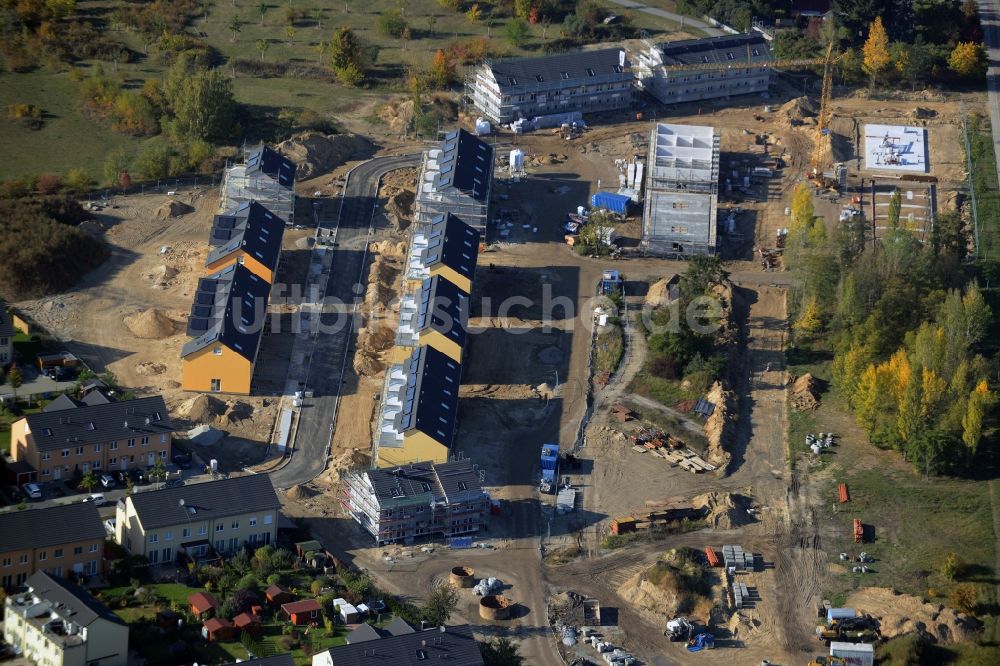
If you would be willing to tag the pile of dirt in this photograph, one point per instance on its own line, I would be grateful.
(723, 511)
(900, 614)
(149, 324)
(367, 364)
(346, 462)
(148, 369)
(674, 584)
(172, 209)
(201, 408)
(235, 412)
(805, 393)
(797, 112)
(375, 338)
(317, 153)
(388, 248)
(922, 113)
(659, 292)
(381, 282)
(300, 492)
(718, 426)
(397, 116)
(161, 276)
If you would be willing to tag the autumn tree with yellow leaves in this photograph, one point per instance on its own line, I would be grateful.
(968, 60)
(876, 58)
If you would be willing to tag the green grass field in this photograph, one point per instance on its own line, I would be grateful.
(69, 140)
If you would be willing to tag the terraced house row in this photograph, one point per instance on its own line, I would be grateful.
(229, 312)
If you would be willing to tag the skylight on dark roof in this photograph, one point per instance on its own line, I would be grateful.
(47, 432)
(538, 77)
(590, 72)
(618, 69)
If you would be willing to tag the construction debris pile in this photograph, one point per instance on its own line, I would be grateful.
(805, 393)
(657, 514)
(899, 614)
(486, 586)
(666, 446)
(718, 425)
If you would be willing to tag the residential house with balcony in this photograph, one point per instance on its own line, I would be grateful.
(57, 623)
(220, 516)
(70, 437)
(446, 246)
(418, 500)
(64, 540)
(251, 237)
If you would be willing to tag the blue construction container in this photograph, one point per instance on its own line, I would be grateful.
(616, 203)
(550, 466)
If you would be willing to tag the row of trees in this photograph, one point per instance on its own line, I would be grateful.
(907, 322)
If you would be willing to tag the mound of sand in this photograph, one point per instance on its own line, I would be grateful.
(657, 294)
(346, 462)
(305, 243)
(300, 492)
(367, 364)
(723, 511)
(389, 249)
(805, 393)
(400, 204)
(201, 408)
(235, 412)
(162, 275)
(718, 426)
(316, 153)
(148, 369)
(797, 111)
(397, 116)
(900, 614)
(149, 325)
(664, 588)
(375, 338)
(172, 209)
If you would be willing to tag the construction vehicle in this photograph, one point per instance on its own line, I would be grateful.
(859, 629)
(823, 660)
(679, 629)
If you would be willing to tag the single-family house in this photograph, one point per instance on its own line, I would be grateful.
(447, 247)
(437, 315)
(456, 178)
(247, 622)
(366, 632)
(64, 540)
(57, 623)
(304, 611)
(223, 515)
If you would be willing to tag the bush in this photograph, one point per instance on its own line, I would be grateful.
(48, 183)
(391, 23)
(41, 255)
(28, 115)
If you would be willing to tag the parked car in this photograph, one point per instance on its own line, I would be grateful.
(182, 461)
(32, 490)
(109, 526)
(60, 373)
(97, 498)
(174, 483)
(137, 475)
(107, 481)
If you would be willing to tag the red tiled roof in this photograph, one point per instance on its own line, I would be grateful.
(303, 606)
(245, 620)
(214, 624)
(202, 602)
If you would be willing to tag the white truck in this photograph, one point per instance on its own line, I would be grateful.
(854, 654)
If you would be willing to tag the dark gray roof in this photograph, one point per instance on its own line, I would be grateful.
(430, 399)
(364, 632)
(76, 423)
(398, 627)
(6, 326)
(86, 610)
(453, 243)
(230, 308)
(213, 499)
(450, 481)
(738, 49)
(442, 307)
(274, 164)
(551, 69)
(95, 397)
(284, 659)
(465, 164)
(455, 645)
(254, 229)
(52, 526)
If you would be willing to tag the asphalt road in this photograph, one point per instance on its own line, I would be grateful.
(345, 285)
(990, 21)
(662, 13)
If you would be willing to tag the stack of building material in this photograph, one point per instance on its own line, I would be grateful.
(565, 500)
(859, 531)
(842, 493)
(740, 594)
(735, 558)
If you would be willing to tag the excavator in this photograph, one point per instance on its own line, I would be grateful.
(828, 661)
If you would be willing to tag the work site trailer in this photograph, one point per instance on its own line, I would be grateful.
(550, 468)
(854, 654)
